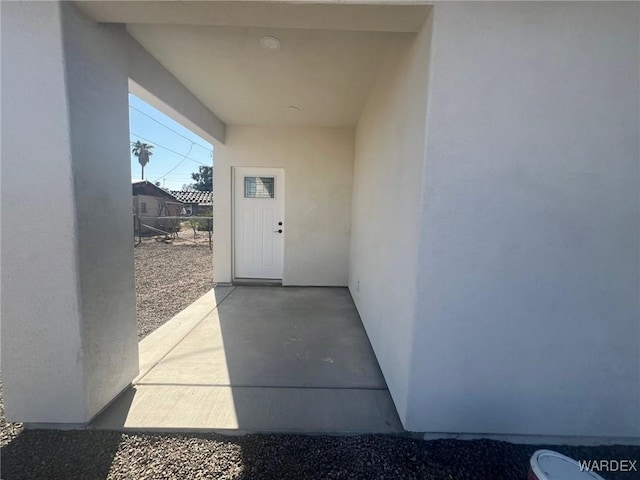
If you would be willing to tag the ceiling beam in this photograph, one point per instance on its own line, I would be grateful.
(375, 16)
(153, 83)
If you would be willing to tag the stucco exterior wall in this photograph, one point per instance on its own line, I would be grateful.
(69, 279)
(153, 204)
(97, 91)
(387, 190)
(528, 288)
(36, 285)
(156, 207)
(318, 164)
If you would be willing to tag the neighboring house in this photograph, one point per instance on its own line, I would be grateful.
(469, 170)
(152, 205)
(195, 201)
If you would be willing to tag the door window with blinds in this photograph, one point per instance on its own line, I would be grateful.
(259, 187)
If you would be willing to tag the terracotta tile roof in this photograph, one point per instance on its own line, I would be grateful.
(193, 196)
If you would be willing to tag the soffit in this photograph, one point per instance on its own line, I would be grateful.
(328, 61)
(325, 74)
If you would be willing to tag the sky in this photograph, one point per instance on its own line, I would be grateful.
(177, 152)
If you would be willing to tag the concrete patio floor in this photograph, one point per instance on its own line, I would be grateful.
(258, 359)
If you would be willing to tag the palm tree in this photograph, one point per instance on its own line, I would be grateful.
(143, 152)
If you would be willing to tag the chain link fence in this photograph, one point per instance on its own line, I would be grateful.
(170, 228)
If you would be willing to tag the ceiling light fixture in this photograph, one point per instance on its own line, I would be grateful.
(270, 43)
(293, 108)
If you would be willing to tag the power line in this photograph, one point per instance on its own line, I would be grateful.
(178, 164)
(167, 148)
(169, 128)
(175, 175)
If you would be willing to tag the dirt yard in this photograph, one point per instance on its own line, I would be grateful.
(170, 276)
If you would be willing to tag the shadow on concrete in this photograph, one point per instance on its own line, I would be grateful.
(267, 359)
(298, 359)
(118, 410)
(296, 337)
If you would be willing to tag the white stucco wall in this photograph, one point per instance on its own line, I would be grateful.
(318, 164)
(68, 298)
(387, 187)
(40, 298)
(97, 90)
(528, 290)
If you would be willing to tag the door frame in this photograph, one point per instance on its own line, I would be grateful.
(234, 173)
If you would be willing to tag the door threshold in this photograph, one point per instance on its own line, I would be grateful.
(256, 282)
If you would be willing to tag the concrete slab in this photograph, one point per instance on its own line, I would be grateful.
(160, 342)
(252, 409)
(259, 359)
(284, 337)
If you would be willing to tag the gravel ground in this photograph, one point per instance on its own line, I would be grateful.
(170, 277)
(7, 430)
(112, 455)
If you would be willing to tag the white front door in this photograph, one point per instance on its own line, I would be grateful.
(259, 222)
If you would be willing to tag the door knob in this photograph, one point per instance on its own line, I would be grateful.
(278, 231)
(279, 223)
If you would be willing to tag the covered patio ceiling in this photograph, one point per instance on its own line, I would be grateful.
(326, 58)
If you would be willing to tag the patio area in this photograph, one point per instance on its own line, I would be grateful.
(258, 359)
